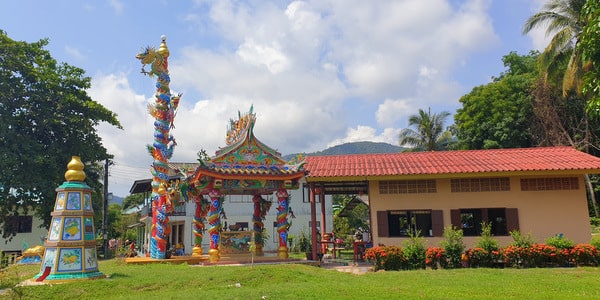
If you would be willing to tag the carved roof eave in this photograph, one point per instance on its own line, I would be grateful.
(247, 174)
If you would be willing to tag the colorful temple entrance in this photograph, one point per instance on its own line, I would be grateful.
(245, 166)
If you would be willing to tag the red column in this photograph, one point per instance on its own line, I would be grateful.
(257, 227)
(313, 220)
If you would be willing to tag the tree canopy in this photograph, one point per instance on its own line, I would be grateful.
(589, 45)
(498, 114)
(561, 60)
(46, 116)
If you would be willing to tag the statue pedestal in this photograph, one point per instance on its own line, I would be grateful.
(213, 255)
(282, 252)
(197, 251)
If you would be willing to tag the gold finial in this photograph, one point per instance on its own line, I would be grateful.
(163, 50)
(75, 170)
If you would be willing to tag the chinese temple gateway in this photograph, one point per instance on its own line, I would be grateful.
(245, 166)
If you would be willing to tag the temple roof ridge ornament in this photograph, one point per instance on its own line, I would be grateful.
(246, 159)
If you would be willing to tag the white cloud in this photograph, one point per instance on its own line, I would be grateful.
(269, 56)
(539, 38)
(318, 73)
(117, 6)
(128, 145)
(365, 133)
(74, 53)
(390, 111)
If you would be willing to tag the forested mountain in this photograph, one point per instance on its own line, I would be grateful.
(354, 148)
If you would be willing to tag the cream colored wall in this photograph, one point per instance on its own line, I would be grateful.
(541, 213)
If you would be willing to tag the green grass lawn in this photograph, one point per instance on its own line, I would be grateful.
(165, 281)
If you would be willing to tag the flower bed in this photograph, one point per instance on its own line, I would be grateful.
(534, 256)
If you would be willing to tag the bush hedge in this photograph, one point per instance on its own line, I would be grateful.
(557, 251)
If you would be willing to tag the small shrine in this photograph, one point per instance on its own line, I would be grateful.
(70, 249)
(245, 166)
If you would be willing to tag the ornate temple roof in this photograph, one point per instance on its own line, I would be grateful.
(246, 158)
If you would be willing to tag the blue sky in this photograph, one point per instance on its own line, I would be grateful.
(318, 72)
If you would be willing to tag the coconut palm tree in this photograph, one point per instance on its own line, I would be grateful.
(563, 22)
(429, 134)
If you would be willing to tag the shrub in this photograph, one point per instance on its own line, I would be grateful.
(454, 246)
(585, 255)
(386, 258)
(414, 251)
(514, 255)
(485, 253)
(543, 255)
(560, 242)
(521, 240)
(436, 257)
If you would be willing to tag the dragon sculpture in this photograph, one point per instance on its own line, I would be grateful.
(163, 110)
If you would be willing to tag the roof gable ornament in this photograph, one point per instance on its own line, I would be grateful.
(246, 165)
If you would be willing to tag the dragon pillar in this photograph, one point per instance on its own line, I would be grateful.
(163, 110)
(214, 224)
(282, 223)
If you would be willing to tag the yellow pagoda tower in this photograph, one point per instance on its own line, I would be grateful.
(71, 244)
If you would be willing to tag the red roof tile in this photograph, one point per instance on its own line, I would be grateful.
(453, 162)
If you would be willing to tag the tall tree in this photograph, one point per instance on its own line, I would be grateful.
(46, 117)
(565, 21)
(589, 45)
(498, 114)
(562, 19)
(429, 135)
(133, 200)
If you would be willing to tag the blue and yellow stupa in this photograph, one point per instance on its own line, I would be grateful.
(71, 245)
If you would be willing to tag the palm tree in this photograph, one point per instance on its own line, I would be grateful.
(564, 24)
(564, 20)
(429, 134)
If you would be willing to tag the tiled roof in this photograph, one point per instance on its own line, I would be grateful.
(558, 159)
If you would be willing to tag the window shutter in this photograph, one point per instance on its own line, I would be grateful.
(512, 219)
(437, 222)
(383, 229)
(455, 218)
(484, 215)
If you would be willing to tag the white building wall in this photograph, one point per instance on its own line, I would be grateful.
(241, 208)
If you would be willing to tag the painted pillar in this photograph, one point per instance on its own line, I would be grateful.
(70, 252)
(163, 110)
(282, 223)
(257, 224)
(161, 229)
(214, 224)
(199, 216)
(321, 192)
(313, 220)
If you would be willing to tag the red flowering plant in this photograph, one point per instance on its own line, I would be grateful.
(435, 258)
(386, 257)
(514, 255)
(542, 255)
(564, 257)
(584, 255)
(478, 257)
